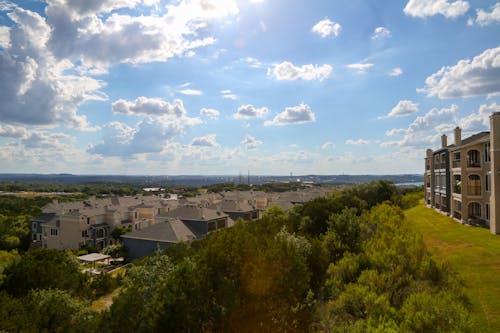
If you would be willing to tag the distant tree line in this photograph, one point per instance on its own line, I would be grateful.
(345, 263)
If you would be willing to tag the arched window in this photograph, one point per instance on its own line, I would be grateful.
(473, 159)
(474, 185)
(474, 210)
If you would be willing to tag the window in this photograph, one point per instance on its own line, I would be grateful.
(474, 185)
(88, 220)
(474, 210)
(456, 160)
(54, 232)
(487, 209)
(487, 182)
(473, 160)
(457, 184)
(487, 152)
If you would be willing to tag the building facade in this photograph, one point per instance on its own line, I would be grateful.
(462, 180)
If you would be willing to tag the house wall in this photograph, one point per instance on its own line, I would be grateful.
(137, 248)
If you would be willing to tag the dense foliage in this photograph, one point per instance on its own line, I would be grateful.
(346, 263)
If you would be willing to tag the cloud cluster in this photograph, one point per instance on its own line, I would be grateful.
(36, 88)
(250, 142)
(288, 71)
(228, 94)
(396, 71)
(356, 142)
(480, 120)
(426, 8)
(403, 108)
(381, 33)
(326, 28)
(467, 78)
(485, 18)
(210, 113)
(360, 67)
(299, 114)
(248, 111)
(205, 141)
(149, 106)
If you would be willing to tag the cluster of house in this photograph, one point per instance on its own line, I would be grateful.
(462, 179)
(154, 222)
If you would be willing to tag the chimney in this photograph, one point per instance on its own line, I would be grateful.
(458, 136)
(429, 152)
(495, 173)
(444, 141)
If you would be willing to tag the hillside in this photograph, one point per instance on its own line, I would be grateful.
(473, 253)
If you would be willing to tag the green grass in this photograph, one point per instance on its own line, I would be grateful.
(473, 253)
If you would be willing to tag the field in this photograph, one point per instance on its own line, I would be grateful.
(473, 253)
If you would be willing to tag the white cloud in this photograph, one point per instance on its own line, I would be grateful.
(211, 113)
(480, 120)
(327, 145)
(249, 111)
(250, 142)
(403, 108)
(205, 141)
(299, 114)
(396, 71)
(228, 94)
(425, 130)
(288, 71)
(426, 8)
(149, 106)
(5, 37)
(326, 28)
(381, 33)
(9, 131)
(36, 88)
(360, 67)
(101, 33)
(487, 18)
(252, 62)
(467, 78)
(190, 92)
(356, 142)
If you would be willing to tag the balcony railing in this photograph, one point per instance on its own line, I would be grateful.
(456, 164)
(473, 190)
(473, 164)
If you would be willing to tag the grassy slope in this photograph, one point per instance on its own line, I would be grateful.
(473, 253)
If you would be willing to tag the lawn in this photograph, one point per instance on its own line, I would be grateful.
(473, 253)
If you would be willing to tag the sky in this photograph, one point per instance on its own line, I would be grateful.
(218, 87)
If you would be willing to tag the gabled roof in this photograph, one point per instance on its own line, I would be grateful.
(194, 213)
(233, 206)
(45, 217)
(171, 231)
(475, 137)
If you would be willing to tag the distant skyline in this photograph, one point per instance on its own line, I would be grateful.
(225, 86)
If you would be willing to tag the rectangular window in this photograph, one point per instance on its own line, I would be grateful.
(487, 181)
(487, 207)
(487, 152)
(88, 220)
(53, 232)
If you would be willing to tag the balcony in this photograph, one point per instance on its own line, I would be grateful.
(457, 189)
(473, 164)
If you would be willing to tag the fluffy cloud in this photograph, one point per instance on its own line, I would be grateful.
(250, 142)
(249, 111)
(100, 33)
(325, 28)
(381, 32)
(396, 71)
(467, 78)
(299, 114)
(403, 108)
(36, 88)
(356, 142)
(211, 113)
(487, 18)
(426, 8)
(425, 130)
(288, 71)
(205, 141)
(149, 106)
(480, 120)
(9, 131)
(360, 67)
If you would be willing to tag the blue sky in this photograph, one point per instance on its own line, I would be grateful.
(227, 86)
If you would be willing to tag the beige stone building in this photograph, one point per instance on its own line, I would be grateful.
(463, 179)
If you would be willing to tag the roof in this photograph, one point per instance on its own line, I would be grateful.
(475, 137)
(45, 217)
(171, 231)
(93, 257)
(234, 206)
(194, 213)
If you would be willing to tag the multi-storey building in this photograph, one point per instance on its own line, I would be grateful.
(463, 179)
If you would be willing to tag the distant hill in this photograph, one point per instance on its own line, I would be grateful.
(199, 180)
